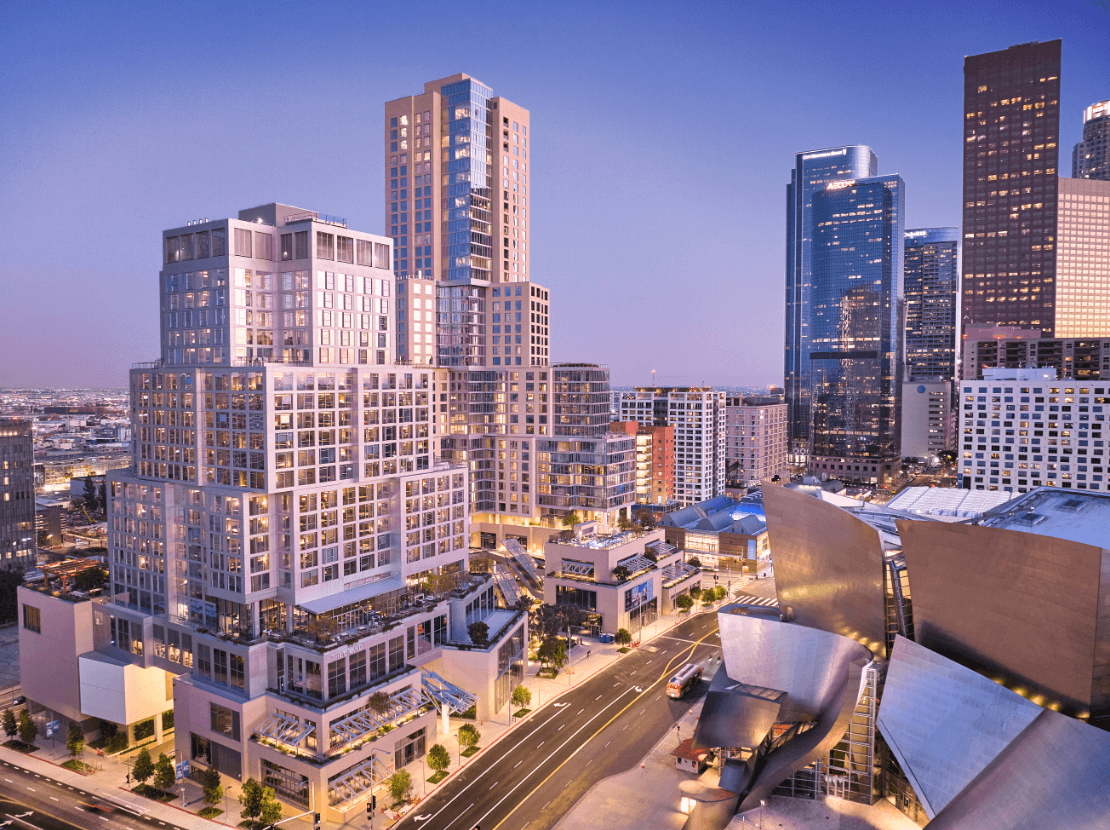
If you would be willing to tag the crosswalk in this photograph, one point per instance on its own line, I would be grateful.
(745, 599)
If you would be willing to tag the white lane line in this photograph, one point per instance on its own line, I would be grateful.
(52, 798)
(541, 744)
(518, 763)
(607, 744)
(542, 764)
(456, 818)
(493, 785)
(560, 729)
(546, 722)
(580, 711)
(8, 780)
(544, 807)
(104, 818)
(32, 789)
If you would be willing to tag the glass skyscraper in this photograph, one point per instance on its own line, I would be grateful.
(855, 327)
(932, 284)
(812, 172)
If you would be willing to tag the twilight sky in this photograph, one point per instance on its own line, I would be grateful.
(663, 138)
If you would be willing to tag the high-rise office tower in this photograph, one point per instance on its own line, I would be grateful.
(698, 417)
(1011, 154)
(812, 172)
(932, 286)
(17, 495)
(1090, 158)
(457, 206)
(856, 328)
(1083, 259)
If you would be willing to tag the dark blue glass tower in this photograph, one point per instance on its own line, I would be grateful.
(856, 327)
(812, 172)
(932, 286)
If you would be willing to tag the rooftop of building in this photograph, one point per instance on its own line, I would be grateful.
(1075, 515)
(721, 514)
(946, 503)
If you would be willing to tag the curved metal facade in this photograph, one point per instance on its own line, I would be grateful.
(1023, 605)
(821, 675)
(979, 755)
(828, 566)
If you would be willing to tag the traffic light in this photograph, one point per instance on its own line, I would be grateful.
(373, 802)
(315, 821)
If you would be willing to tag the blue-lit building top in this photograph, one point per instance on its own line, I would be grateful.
(932, 284)
(468, 183)
(812, 171)
(855, 337)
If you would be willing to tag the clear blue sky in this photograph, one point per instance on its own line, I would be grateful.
(663, 137)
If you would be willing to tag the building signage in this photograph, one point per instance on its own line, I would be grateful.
(840, 185)
(825, 155)
(637, 595)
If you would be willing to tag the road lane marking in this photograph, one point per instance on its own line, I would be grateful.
(456, 818)
(606, 745)
(602, 728)
(541, 744)
(52, 798)
(580, 711)
(518, 763)
(32, 789)
(494, 784)
(560, 729)
(597, 698)
(8, 780)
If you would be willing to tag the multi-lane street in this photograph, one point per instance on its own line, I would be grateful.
(535, 773)
(29, 801)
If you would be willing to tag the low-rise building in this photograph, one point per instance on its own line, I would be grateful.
(622, 580)
(928, 425)
(724, 534)
(654, 461)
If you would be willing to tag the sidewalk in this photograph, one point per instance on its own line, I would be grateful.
(586, 660)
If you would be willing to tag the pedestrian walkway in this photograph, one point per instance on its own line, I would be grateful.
(748, 599)
(111, 776)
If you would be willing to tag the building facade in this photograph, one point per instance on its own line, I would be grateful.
(928, 421)
(856, 328)
(286, 543)
(18, 549)
(654, 461)
(534, 436)
(1011, 169)
(697, 415)
(1083, 258)
(812, 172)
(932, 289)
(1009, 347)
(1024, 428)
(1090, 158)
(755, 440)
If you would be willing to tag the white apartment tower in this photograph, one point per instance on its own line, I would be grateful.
(286, 542)
(698, 415)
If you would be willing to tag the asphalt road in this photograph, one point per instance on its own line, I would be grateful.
(605, 726)
(29, 801)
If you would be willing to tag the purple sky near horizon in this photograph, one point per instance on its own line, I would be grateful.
(663, 138)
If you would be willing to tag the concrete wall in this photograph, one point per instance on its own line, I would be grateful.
(117, 691)
(48, 666)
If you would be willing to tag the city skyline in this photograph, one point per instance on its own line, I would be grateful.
(99, 141)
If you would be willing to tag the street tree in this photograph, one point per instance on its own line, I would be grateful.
(271, 807)
(11, 726)
(469, 735)
(28, 729)
(521, 697)
(623, 636)
(553, 652)
(684, 602)
(439, 758)
(213, 788)
(164, 773)
(695, 591)
(75, 739)
(251, 799)
(143, 767)
(721, 592)
(400, 785)
(708, 598)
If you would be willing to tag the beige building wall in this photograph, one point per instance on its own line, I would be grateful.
(49, 670)
(755, 440)
(1083, 259)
